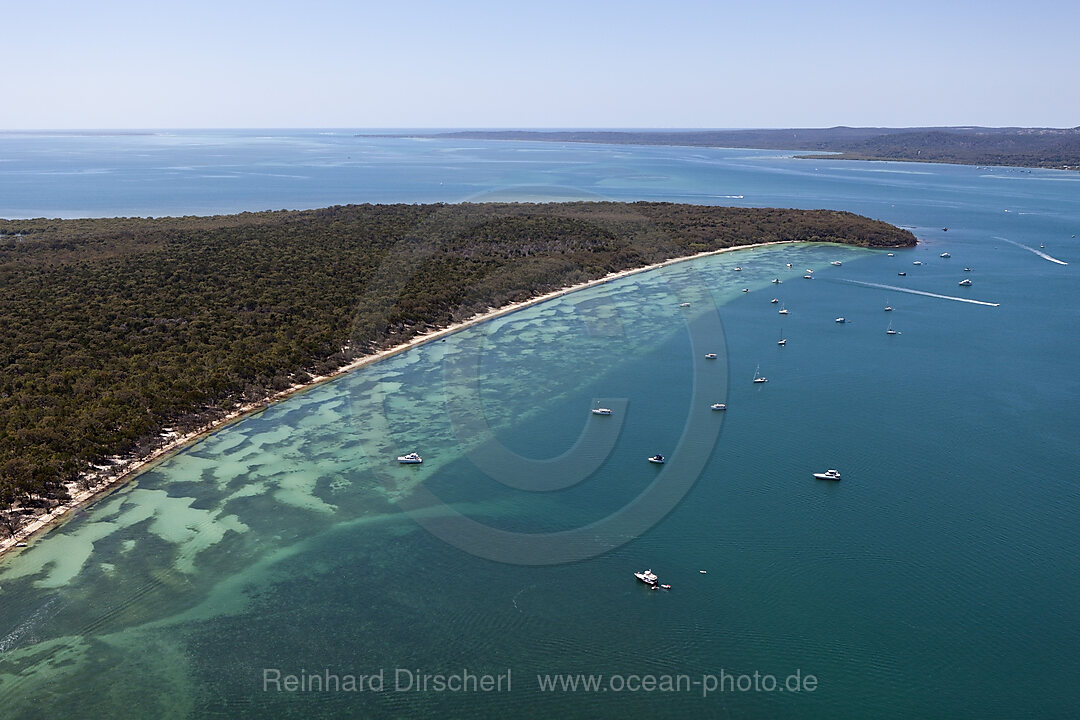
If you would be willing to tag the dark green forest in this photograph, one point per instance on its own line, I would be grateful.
(114, 329)
(1057, 148)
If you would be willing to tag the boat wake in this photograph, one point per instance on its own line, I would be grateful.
(909, 291)
(1040, 253)
(27, 627)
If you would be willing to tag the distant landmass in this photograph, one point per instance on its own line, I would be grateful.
(1057, 148)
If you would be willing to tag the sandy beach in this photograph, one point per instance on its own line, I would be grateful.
(124, 470)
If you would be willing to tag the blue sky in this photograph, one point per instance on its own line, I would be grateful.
(472, 63)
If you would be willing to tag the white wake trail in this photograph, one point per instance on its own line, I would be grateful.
(921, 292)
(1041, 254)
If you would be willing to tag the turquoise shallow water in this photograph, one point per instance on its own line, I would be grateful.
(939, 578)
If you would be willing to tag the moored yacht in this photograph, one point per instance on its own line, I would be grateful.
(658, 459)
(718, 406)
(710, 356)
(964, 283)
(758, 377)
(410, 459)
(646, 576)
(828, 475)
(601, 411)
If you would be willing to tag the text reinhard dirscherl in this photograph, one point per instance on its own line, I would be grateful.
(403, 680)
(398, 680)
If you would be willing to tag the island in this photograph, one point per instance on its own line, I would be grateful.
(126, 337)
(1056, 148)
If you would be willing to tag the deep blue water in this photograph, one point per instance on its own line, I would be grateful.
(939, 578)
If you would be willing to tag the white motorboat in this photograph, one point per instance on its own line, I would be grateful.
(410, 459)
(775, 300)
(646, 576)
(718, 406)
(917, 262)
(658, 459)
(841, 320)
(776, 281)
(836, 262)
(828, 475)
(808, 277)
(684, 304)
(710, 356)
(964, 283)
(601, 411)
(946, 255)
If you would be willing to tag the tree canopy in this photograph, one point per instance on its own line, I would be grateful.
(114, 329)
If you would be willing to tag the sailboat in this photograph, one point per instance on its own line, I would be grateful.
(783, 340)
(758, 377)
(782, 310)
(890, 331)
(888, 307)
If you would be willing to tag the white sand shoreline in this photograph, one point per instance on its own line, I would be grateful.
(125, 471)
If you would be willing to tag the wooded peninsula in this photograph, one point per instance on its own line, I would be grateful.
(119, 333)
(1057, 148)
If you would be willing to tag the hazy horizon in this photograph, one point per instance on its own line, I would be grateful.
(500, 128)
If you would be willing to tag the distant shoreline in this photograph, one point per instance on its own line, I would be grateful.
(1047, 148)
(130, 470)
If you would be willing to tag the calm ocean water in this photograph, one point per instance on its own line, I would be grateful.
(939, 578)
